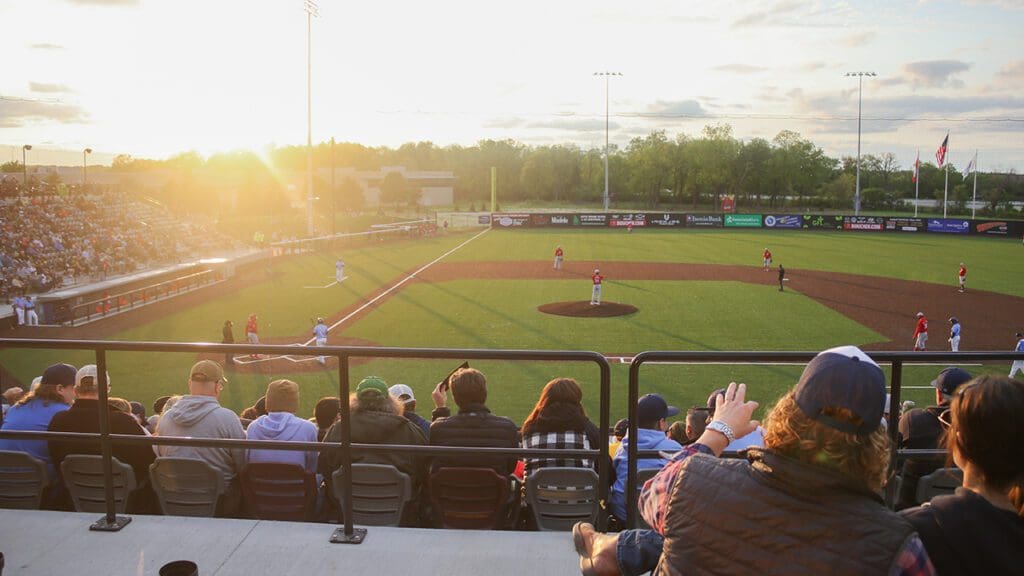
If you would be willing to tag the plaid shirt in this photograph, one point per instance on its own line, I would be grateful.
(911, 560)
(567, 440)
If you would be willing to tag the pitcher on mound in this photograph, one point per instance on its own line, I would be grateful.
(595, 294)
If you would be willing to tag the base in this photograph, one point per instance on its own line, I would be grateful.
(102, 525)
(339, 536)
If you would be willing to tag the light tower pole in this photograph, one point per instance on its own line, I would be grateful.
(607, 76)
(860, 91)
(311, 10)
(24, 165)
(85, 168)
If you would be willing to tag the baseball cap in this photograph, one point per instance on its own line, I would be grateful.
(653, 407)
(953, 320)
(373, 383)
(843, 377)
(89, 371)
(950, 379)
(59, 375)
(399, 390)
(919, 314)
(208, 371)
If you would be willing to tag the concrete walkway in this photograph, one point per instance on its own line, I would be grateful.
(47, 543)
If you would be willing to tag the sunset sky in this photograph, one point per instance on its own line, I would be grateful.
(155, 77)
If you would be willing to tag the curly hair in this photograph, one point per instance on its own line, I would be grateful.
(792, 433)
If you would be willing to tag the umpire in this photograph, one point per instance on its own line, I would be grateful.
(228, 337)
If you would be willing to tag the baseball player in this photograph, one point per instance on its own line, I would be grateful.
(339, 270)
(31, 318)
(19, 309)
(921, 333)
(767, 258)
(320, 333)
(252, 332)
(595, 294)
(962, 276)
(629, 228)
(954, 334)
(782, 277)
(559, 253)
(1018, 364)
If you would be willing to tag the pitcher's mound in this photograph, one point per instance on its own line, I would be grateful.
(583, 309)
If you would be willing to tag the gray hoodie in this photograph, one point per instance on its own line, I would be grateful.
(203, 417)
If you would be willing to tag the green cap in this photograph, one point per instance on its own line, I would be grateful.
(373, 383)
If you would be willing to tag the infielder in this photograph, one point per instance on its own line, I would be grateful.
(320, 333)
(921, 333)
(962, 276)
(559, 253)
(767, 259)
(954, 334)
(339, 270)
(1018, 364)
(595, 294)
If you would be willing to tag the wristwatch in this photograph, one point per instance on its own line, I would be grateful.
(722, 428)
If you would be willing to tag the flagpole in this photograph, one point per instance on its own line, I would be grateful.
(917, 181)
(974, 201)
(945, 193)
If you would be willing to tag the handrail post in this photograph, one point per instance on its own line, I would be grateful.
(893, 430)
(631, 463)
(111, 522)
(347, 534)
(604, 459)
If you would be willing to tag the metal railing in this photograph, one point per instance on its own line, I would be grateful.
(111, 304)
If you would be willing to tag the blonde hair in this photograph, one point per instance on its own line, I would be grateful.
(120, 404)
(792, 433)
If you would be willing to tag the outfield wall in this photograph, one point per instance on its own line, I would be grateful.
(772, 221)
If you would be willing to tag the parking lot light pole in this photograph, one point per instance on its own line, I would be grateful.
(860, 91)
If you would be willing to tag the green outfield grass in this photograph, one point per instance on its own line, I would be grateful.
(466, 313)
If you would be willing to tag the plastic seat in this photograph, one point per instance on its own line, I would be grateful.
(278, 491)
(23, 479)
(470, 498)
(83, 475)
(939, 483)
(642, 476)
(561, 497)
(186, 486)
(379, 493)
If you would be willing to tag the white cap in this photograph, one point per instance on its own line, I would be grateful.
(399, 390)
(89, 371)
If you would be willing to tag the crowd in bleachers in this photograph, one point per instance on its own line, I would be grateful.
(52, 240)
(804, 498)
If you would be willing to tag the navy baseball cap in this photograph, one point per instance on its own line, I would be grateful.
(843, 377)
(60, 375)
(653, 407)
(950, 379)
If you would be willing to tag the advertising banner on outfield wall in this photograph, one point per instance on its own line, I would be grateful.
(782, 221)
(590, 220)
(874, 223)
(704, 220)
(822, 222)
(665, 219)
(623, 220)
(545, 219)
(1007, 228)
(948, 225)
(509, 220)
(905, 225)
(743, 220)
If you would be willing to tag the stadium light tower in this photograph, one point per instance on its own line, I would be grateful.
(85, 167)
(860, 91)
(607, 78)
(24, 165)
(311, 10)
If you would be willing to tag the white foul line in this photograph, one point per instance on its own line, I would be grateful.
(378, 297)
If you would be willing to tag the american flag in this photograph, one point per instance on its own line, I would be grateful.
(917, 167)
(940, 154)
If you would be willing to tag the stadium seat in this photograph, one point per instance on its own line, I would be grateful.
(642, 476)
(186, 486)
(23, 479)
(470, 498)
(379, 493)
(939, 483)
(278, 491)
(561, 497)
(83, 475)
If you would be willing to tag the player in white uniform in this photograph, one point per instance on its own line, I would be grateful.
(19, 309)
(31, 318)
(1018, 364)
(320, 332)
(339, 270)
(954, 334)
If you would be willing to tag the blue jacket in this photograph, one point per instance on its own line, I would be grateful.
(649, 440)
(33, 416)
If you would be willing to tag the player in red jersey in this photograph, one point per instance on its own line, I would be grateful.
(962, 276)
(921, 333)
(767, 258)
(559, 253)
(595, 294)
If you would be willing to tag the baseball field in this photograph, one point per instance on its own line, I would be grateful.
(692, 290)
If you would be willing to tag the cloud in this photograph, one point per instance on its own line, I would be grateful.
(572, 124)
(1005, 4)
(104, 2)
(48, 88)
(45, 46)
(929, 74)
(1011, 73)
(740, 68)
(676, 108)
(859, 39)
(507, 122)
(15, 113)
(769, 16)
(812, 66)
